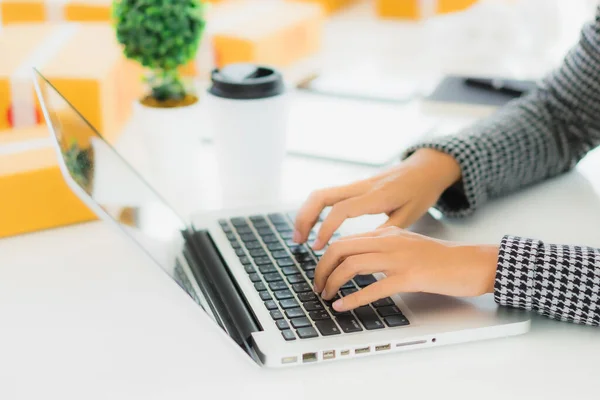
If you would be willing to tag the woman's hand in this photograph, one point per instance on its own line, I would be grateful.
(410, 262)
(404, 193)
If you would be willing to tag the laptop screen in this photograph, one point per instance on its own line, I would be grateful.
(113, 189)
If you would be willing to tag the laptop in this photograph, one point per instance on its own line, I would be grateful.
(243, 269)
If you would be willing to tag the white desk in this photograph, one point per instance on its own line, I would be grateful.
(85, 315)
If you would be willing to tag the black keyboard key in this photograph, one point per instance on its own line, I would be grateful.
(248, 237)
(255, 218)
(274, 277)
(296, 278)
(310, 274)
(245, 260)
(267, 269)
(259, 286)
(271, 305)
(288, 335)
(242, 230)
(257, 253)
(308, 296)
(275, 246)
(294, 313)
(298, 249)
(253, 245)
(364, 280)
(223, 222)
(282, 324)
(276, 314)
(283, 294)
(383, 302)
(288, 303)
(313, 306)
(301, 287)
(302, 257)
(285, 262)
(300, 322)
(308, 265)
(238, 221)
(307, 333)
(396, 320)
(286, 235)
(231, 236)
(240, 252)
(346, 292)
(277, 218)
(262, 261)
(348, 285)
(283, 227)
(279, 285)
(318, 315)
(389, 311)
(254, 277)
(270, 239)
(280, 254)
(327, 327)
(340, 313)
(265, 231)
(265, 296)
(290, 243)
(235, 244)
(348, 323)
(249, 269)
(368, 317)
(290, 270)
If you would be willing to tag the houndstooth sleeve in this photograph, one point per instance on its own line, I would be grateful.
(561, 282)
(531, 139)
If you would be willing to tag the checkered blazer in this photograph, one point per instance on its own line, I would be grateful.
(539, 136)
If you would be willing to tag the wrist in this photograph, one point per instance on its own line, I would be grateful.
(442, 167)
(487, 263)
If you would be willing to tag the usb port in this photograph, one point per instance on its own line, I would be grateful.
(362, 350)
(383, 347)
(309, 357)
(289, 360)
(328, 355)
(345, 352)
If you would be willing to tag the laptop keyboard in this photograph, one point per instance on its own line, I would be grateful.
(282, 272)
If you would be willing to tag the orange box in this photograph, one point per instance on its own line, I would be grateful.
(272, 33)
(417, 9)
(34, 193)
(330, 6)
(83, 61)
(19, 11)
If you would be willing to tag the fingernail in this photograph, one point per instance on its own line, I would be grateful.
(297, 237)
(338, 305)
(317, 244)
(324, 294)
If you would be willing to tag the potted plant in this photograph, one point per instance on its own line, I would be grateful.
(162, 36)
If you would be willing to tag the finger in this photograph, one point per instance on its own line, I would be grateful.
(353, 207)
(340, 250)
(402, 218)
(309, 212)
(378, 290)
(354, 265)
(376, 233)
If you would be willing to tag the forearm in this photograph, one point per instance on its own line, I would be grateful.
(539, 136)
(561, 282)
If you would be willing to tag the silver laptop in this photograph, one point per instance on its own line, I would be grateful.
(244, 270)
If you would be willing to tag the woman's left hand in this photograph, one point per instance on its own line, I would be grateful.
(410, 263)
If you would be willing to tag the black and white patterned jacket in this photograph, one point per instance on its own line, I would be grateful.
(534, 138)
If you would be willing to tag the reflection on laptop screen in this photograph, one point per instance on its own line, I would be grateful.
(110, 185)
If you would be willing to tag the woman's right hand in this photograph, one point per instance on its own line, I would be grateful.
(404, 193)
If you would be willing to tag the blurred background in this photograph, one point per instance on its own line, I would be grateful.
(366, 65)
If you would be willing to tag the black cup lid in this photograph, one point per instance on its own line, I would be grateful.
(246, 82)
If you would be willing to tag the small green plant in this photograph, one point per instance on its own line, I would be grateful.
(79, 163)
(161, 35)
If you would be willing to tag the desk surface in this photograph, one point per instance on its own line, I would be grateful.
(86, 315)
